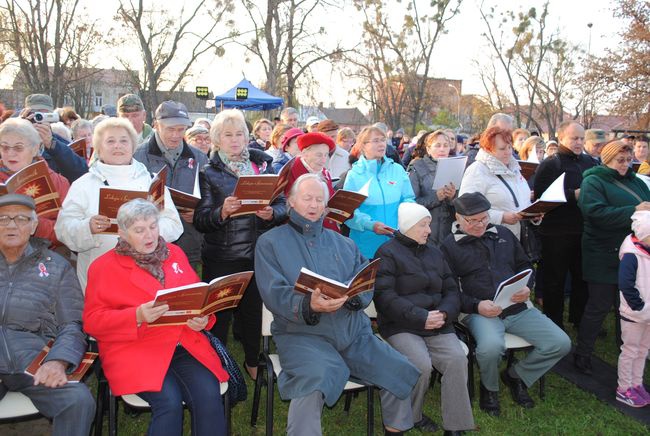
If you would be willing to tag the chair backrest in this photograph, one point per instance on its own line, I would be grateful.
(370, 310)
(267, 319)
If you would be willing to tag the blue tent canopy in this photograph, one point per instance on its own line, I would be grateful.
(256, 99)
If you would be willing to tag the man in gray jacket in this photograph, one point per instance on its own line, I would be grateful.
(40, 300)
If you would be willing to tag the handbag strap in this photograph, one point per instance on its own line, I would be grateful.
(629, 191)
(514, 197)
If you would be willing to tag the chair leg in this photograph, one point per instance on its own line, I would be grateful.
(226, 409)
(348, 402)
(102, 390)
(270, 391)
(541, 387)
(112, 415)
(256, 395)
(510, 356)
(371, 410)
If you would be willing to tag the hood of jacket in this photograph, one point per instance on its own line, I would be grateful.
(608, 174)
(634, 246)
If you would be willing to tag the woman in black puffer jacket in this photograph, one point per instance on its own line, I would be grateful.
(229, 242)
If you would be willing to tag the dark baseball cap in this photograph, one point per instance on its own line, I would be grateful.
(130, 103)
(17, 199)
(39, 102)
(173, 113)
(597, 135)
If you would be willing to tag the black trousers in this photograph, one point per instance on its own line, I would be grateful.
(248, 315)
(563, 254)
(602, 297)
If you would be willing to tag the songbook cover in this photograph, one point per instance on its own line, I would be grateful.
(34, 181)
(75, 376)
(527, 168)
(183, 201)
(254, 192)
(80, 148)
(343, 204)
(363, 281)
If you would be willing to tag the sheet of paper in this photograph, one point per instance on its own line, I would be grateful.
(511, 286)
(555, 191)
(449, 170)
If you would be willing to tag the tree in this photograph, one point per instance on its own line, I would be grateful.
(50, 42)
(171, 42)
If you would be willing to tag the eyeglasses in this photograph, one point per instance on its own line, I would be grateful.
(474, 222)
(14, 148)
(622, 160)
(19, 220)
(376, 141)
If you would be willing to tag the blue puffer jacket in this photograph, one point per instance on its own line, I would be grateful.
(389, 186)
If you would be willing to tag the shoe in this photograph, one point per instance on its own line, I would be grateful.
(630, 397)
(642, 393)
(426, 424)
(518, 390)
(246, 371)
(489, 402)
(453, 432)
(582, 363)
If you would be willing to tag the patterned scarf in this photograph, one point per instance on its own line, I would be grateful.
(151, 262)
(242, 166)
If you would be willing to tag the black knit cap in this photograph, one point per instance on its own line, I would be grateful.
(471, 203)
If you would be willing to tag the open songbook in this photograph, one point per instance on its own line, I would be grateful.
(34, 180)
(80, 147)
(509, 287)
(258, 191)
(200, 299)
(363, 281)
(528, 168)
(549, 200)
(449, 170)
(75, 376)
(111, 199)
(183, 201)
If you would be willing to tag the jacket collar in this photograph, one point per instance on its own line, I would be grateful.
(460, 237)
(304, 226)
(566, 152)
(33, 250)
(409, 243)
(154, 149)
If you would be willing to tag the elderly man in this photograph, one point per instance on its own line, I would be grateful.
(595, 140)
(289, 116)
(322, 341)
(41, 301)
(481, 256)
(130, 106)
(59, 157)
(167, 147)
(561, 229)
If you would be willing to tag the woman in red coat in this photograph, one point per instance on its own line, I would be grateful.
(166, 365)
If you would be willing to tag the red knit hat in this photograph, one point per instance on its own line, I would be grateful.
(313, 138)
(291, 133)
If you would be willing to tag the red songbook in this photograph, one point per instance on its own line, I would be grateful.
(527, 168)
(34, 180)
(80, 147)
(183, 201)
(258, 191)
(75, 376)
(343, 204)
(111, 199)
(363, 281)
(200, 299)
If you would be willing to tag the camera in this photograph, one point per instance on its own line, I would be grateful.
(46, 117)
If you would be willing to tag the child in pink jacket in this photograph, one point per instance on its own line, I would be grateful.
(634, 285)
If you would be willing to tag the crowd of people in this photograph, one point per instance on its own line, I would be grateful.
(442, 252)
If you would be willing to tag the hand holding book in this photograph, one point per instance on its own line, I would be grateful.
(322, 303)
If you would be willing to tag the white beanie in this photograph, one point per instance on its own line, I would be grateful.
(409, 214)
(640, 224)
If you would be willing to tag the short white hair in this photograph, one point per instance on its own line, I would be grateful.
(494, 119)
(135, 210)
(310, 176)
(22, 128)
(228, 116)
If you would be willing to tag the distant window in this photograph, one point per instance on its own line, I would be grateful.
(99, 99)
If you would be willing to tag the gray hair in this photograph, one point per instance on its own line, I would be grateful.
(310, 176)
(500, 117)
(135, 210)
(228, 116)
(113, 123)
(382, 126)
(80, 124)
(22, 128)
(287, 111)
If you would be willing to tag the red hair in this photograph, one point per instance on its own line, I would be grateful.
(488, 138)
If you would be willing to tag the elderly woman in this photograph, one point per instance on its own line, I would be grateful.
(289, 149)
(496, 175)
(519, 136)
(417, 301)
(79, 225)
(165, 365)
(609, 195)
(229, 242)
(388, 186)
(199, 137)
(41, 301)
(83, 129)
(262, 130)
(275, 144)
(422, 172)
(19, 147)
(314, 148)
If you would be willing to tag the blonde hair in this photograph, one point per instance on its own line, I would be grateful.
(530, 145)
(228, 116)
(344, 133)
(277, 134)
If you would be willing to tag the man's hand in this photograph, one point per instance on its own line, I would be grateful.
(266, 214)
(147, 313)
(322, 303)
(435, 320)
(521, 296)
(488, 309)
(188, 217)
(511, 218)
(382, 229)
(577, 193)
(51, 374)
(197, 323)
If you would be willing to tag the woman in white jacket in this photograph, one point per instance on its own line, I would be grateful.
(497, 176)
(79, 226)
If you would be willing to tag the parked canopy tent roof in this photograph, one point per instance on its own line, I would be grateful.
(257, 99)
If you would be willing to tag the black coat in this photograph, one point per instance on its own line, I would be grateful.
(233, 239)
(481, 264)
(565, 219)
(412, 280)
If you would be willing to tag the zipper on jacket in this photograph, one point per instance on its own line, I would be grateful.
(383, 198)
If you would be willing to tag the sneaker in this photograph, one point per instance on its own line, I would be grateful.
(642, 393)
(630, 397)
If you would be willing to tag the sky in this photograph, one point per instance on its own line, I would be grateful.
(453, 54)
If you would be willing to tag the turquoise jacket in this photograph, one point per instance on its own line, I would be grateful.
(389, 186)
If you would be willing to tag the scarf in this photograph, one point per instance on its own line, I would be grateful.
(151, 262)
(240, 167)
(497, 167)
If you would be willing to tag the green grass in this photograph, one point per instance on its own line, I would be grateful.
(566, 410)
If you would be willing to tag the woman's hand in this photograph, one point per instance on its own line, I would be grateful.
(511, 218)
(447, 192)
(230, 206)
(488, 309)
(147, 313)
(99, 223)
(266, 214)
(197, 323)
(382, 229)
(521, 296)
(644, 205)
(322, 303)
(435, 320)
